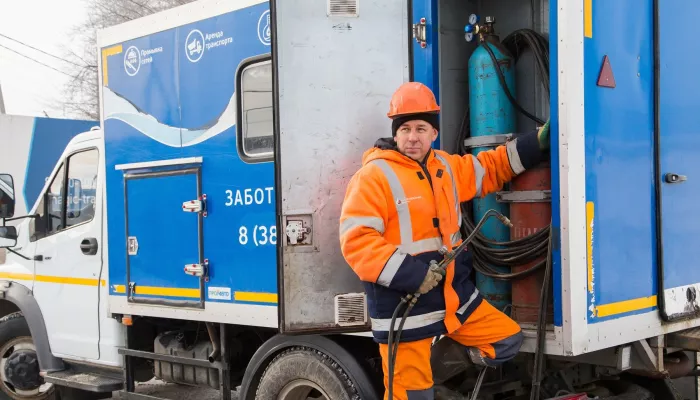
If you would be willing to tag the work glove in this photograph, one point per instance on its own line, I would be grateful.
(432, 278)
(543, 136)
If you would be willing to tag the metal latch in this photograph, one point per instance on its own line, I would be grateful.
(198, 206)
(296, 231)
(197, 269)
(675, 178)
(419, 33)
(132, 245)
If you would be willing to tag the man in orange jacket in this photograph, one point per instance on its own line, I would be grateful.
(400, 208)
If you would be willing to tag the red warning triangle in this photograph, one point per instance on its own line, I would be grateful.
(606, 77)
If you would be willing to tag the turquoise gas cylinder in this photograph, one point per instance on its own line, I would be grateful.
(492, 116)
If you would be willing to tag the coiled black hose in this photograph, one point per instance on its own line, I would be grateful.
(522, 251)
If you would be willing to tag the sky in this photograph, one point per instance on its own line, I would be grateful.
(29, 88)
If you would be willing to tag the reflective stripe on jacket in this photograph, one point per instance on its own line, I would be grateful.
(396, 215)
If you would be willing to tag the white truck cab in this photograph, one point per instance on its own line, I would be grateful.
(56, 266)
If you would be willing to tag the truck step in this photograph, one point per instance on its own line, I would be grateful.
(91, 382)
(137, 396)
(688, 339)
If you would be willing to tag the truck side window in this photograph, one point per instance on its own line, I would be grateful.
(50, 209)
(82, 186)
(256, 109)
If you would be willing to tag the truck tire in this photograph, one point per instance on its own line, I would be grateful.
(19, 375)
(301, 372)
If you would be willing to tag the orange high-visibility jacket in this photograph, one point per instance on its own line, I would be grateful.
(398, 213)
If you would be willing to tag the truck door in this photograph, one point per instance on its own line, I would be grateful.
(336, 69)
(164, 237)
(678, 179)
(68, 256)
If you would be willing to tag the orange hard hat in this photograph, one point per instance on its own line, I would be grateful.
(412, 98)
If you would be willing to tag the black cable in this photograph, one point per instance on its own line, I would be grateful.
(502, 79)
(538, 367)
(516, 43)
(39, 50)
(486, 252)
(36, 61)
(521, 39)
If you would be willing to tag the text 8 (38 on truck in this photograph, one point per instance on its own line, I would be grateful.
(194, 236)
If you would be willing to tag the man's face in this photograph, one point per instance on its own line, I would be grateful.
(414, 138)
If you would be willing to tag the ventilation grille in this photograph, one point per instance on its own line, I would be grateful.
(350, 309)
(342, 8)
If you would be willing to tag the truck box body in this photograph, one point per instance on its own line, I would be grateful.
(172, 120)
(170, 116)
(230, 129)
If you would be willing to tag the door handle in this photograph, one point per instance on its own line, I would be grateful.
(675, 178)
(89, 246)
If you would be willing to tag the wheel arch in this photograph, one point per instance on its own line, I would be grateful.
(267, 352)
(7, 307)
(16, 297)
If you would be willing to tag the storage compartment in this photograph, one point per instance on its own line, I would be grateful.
(454, 52)
(174, 344)
(475, 108)
(344, 112)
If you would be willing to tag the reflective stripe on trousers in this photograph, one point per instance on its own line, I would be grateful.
(420, 321)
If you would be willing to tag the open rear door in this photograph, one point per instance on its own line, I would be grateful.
(336, 66)
(678, 139)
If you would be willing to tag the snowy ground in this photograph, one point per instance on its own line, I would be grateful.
(172, 391)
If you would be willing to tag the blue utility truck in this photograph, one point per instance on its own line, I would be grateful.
(204, 248)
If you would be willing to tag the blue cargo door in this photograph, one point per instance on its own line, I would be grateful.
(678, 143)
(162, 238)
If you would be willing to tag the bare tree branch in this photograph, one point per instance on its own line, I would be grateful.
(81, 93)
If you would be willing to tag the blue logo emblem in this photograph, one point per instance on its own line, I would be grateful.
(264, 28)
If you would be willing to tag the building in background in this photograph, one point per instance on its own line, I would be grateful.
(29, 148)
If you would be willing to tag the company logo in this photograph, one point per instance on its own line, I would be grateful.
(132, 61)
(219, 293)
(194, 45)
(407, 200)
(197, 43)
(264, 28)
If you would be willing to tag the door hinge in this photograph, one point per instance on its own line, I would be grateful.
(132, 290)
(197, 269)
(198, 206)
(419, 33)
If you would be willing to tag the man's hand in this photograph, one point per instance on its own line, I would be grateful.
(432, 278)
(543, 136)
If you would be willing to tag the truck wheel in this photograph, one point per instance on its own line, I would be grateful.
(19, 365)
(300, 373)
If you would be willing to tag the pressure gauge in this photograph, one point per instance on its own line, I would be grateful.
(473, 19)
(469, 36)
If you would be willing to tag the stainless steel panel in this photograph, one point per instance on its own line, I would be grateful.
(335, 76)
